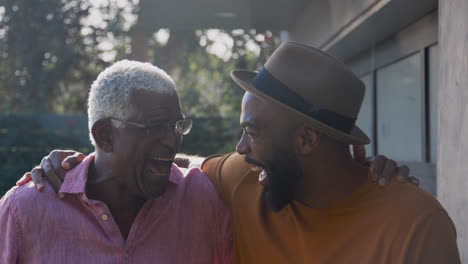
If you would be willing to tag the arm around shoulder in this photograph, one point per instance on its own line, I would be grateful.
(226, 173)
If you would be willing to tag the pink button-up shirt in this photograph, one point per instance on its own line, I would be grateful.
(188, 224)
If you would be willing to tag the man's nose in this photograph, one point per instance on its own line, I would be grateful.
(243, 146)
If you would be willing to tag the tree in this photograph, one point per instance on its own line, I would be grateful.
(40, 44)
(202, 75)
(51, 54)
(52, 50)
(205, 86)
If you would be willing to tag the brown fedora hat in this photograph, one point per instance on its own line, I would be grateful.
(312, 84)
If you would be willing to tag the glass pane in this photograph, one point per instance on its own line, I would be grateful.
(366, 115)
(400, 110)
(433, 118)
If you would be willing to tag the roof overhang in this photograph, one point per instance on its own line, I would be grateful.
(390, 19)
(223, 14)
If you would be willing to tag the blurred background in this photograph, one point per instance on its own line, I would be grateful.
(52, 50)
(411, 55)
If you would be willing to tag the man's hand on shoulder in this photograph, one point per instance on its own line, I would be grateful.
(383, 169)
(53, 167)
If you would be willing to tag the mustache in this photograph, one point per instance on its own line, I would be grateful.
(254, 162)
(164, 153)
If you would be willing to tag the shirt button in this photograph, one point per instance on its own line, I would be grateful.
(104, 217)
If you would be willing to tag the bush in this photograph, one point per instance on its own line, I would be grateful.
(25, 140)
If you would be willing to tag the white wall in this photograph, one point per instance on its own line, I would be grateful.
(452, 176)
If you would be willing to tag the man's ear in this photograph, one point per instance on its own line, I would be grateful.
(307, 140)
(103, 134)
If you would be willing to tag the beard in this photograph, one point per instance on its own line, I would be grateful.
(283, 176)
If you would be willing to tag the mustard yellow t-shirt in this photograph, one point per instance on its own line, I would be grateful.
(399, 223)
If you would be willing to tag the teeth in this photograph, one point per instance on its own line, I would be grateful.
(262, 176)
(256, 169)
(163, 159)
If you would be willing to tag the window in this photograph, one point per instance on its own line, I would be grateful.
(400, 110)
(366, 115)
(402, 73)
(433, 56)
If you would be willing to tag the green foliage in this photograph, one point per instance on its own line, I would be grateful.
(203, 79)
(211, 136)
(40, 45)
(50, 53)
(25, 139)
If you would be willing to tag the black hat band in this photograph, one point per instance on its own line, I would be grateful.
(269, 85)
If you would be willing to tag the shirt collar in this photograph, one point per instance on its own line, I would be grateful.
(176, 175)
(75, 179)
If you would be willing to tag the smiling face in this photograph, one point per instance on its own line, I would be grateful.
(267, 142)
(143, 160)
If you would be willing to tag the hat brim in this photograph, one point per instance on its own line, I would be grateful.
(356, 137)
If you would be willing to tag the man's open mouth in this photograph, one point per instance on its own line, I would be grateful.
(256, 166)
(159, 166)
(262, 176)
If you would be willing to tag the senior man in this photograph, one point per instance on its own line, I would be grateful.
(127, 202)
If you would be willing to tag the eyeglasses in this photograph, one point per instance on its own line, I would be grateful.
(181, 127)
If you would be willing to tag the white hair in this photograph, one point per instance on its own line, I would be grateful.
(110, 94)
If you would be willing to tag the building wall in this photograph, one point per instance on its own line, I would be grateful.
(399, 111)
(415, 68)
(453, 101)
